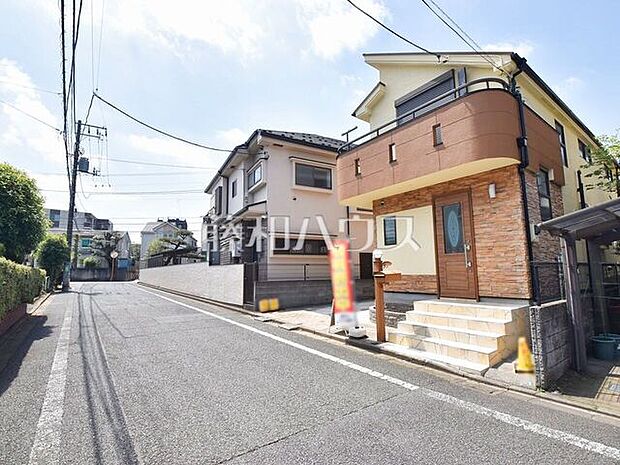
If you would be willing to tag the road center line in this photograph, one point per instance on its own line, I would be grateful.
(561, 436)
(46, 446)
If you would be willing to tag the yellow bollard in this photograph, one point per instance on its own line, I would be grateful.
(263, 305)
(525, 361)
(274, 304)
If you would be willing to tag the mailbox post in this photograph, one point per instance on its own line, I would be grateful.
(381, 277)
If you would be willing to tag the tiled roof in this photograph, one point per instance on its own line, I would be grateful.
(304, 138)
(151, 226)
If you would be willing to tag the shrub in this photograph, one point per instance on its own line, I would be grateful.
(53, 253)
(18, 284)
(91, 262)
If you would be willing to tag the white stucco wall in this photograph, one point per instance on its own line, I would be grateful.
(406, 258)
(221, 283)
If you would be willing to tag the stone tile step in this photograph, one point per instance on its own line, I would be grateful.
(472, 353)
(493, 325)
(467, 336)
(425, 357)
(477, 309)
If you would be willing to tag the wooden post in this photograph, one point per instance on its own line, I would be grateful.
(379, 302)
(573, 300)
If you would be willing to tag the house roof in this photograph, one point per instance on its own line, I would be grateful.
(301, 138)
(154, 225)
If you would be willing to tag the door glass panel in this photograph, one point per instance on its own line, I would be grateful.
(452, 228)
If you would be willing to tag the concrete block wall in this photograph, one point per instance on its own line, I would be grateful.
(305, 293)
(219, 283)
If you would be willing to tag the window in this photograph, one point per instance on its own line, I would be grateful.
(544, 194)
(392, 154)
(55, 218)
(358, 167)
(560, 130)
(308, 247)
(255, 176)
(452, 228)
(218, 200)
(234, 188)
(313, 176)
(437, 136)
(389, 230)
(584, 151)
(85, 242)
(425, 94)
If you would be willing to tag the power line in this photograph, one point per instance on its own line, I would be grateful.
(140, 193)
(160, 131)
(134, 162)
(10, 83)
(387, 28)
(484, 57)
(31, 116)
(116, 175)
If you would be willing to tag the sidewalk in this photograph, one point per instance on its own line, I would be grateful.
(575, 390)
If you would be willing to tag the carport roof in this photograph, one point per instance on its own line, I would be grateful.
(599, 223)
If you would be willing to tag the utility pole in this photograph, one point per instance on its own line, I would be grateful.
(76, 156)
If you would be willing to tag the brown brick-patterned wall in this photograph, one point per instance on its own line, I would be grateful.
(545, 247)
(423, 283)
(499, 230)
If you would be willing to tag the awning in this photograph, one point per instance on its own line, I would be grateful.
(599, 224)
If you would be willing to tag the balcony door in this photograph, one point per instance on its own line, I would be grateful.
(456, 255)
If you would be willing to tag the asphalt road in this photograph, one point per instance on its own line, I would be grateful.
(114, 373)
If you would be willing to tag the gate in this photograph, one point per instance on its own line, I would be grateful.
(250, 273)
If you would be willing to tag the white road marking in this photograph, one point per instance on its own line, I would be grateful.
(568, 438)
(46, 446)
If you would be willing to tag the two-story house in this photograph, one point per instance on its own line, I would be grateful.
(161, 229)
(274, 202)
(472, 151)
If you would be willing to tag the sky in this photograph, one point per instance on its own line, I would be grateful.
(213, 71)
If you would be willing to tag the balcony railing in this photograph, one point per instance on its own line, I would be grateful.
(458, 92)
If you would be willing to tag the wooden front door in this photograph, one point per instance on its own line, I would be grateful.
(456, 253)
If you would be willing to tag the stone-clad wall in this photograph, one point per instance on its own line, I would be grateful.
(219, 283)
(552, 341)
(501, 248)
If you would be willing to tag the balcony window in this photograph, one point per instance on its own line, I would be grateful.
(425, 94)
(55, 218)
(389, 231)
(255, 176)
(392, 153)
(313, 176)
(358, 167)
(234, 188)
(308, 247)
(218, 200)
(560, 130)
(544, 194)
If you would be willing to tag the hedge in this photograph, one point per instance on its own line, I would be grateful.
(18, 284)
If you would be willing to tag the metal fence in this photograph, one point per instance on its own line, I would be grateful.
(298, 272)
(159, 260)
(549, 283)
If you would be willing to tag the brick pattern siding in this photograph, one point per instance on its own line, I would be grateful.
(499, 230)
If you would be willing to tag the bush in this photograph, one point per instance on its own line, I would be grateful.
(91, 262)
(18, 284)
(53, 253)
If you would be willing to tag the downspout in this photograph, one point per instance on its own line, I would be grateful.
(525, 161)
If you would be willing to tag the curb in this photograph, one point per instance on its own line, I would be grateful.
(365, 344)
(39, 302)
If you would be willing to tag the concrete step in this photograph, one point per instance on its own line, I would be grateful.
(475, 323)
(457, 350)
(477, 309)
(448, 333)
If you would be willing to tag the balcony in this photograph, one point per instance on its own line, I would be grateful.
(479, 127)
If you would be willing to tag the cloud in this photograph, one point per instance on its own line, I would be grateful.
(232, 137)
(21, 136)
(172, 151)
(568, 86)
(523, 48)
(335, 27)
(246, 28)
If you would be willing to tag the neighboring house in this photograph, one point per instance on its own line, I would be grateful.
(161, 229)
(85, 227)
(273, 178)
(452, 148)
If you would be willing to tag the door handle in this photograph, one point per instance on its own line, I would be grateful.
(467, 248)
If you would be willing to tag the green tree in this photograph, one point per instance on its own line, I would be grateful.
(104, 244)
(53, 252)
(23, 223)
(135, 250)
(604, 169)
(155, 247)
(91, 262)
(176, 246)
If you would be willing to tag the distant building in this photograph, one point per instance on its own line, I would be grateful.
(161, 229)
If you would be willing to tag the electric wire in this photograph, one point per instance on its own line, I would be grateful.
(392, 31)
(146, 163)
(37, 89)
(31, 116)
